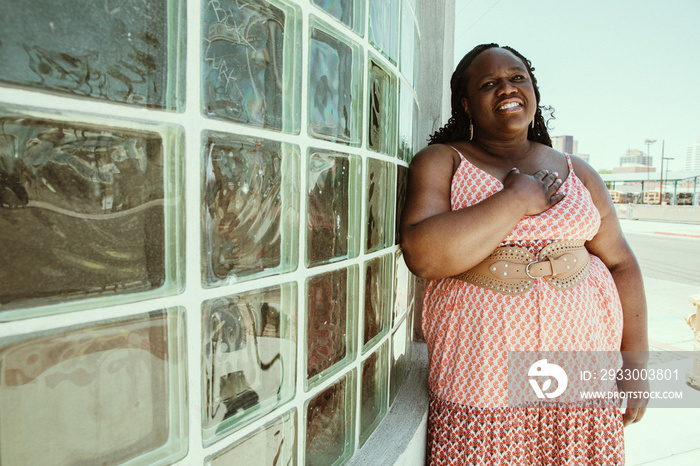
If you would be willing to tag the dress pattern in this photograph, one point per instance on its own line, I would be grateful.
(469, 331)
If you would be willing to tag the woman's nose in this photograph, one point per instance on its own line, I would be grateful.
(505, 87)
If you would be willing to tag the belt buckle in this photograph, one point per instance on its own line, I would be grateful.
(527, 270)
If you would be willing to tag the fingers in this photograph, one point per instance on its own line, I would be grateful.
(540, 175)
(632, 415)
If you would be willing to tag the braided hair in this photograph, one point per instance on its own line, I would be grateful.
(457, 127)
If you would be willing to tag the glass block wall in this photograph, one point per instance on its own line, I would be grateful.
(198, 219)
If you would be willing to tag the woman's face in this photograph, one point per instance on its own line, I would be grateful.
(500, 99)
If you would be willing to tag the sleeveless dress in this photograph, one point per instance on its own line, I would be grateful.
(469, 330)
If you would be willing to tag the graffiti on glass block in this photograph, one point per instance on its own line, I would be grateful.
(86, 207)
(326, 321)
(328, 204)
(108, 50)
(330, 74)
(326, 425)
(243, 206)
(244, 366)
(243, 62)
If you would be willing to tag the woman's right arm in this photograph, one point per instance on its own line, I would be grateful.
(438, 242)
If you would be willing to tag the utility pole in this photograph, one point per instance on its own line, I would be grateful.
(661, 175)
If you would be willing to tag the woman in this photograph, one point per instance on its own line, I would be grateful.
(490, 179)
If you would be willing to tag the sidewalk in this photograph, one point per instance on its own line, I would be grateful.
(666, 437)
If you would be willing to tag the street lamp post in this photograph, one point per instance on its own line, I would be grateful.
(648, 142)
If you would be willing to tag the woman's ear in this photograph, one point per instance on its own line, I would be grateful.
(465, 104)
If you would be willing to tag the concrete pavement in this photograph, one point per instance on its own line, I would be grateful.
(666, 437)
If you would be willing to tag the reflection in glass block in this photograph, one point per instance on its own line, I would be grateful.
(401, 184)
(378, 297)
(379, 186)
(335, 86)
(400, 344)
(381, 131)
(273, 444)
(330, 322)
(251, 63)
(349, 12)
(404, 285)
(249, 356)
(103, 393)
(374, 392)
(129, 51)
(84, 208)
(332, 206)
(409, 43)
(408, 123)
(329, 424)
(250, 207)
(384, 27)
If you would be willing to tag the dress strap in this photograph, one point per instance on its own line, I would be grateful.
(456, 150)
(568, 161)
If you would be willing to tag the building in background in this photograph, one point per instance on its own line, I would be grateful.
(634, 161)
(568, 145)
(563, 144)
(692, 156)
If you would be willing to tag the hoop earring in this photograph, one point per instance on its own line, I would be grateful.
(471, 130)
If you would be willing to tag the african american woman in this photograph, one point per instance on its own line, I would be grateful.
(492, 215)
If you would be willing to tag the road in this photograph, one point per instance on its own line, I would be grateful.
(669, 256)
(665, 257)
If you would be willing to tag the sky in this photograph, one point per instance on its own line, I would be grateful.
(617, 72)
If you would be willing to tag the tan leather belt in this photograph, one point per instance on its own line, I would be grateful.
(513, 271)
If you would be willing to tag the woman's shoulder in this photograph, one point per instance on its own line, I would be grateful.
(436, 155)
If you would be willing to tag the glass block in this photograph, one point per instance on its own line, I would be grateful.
(89, 210)
(273, 444)
(251, 68)
(401, 184)
(102, 393)
(249, 357)
(408, 123)
(332, 207)
(404, 286)
(384, 27)
(330, 424)
(330, 322)
(409, 43)
(400, 344)
(335, 86)
(378, 298)
(373, 401)
(381, 120)
(250, 208)
(130, 52)
(379, 223)
(349, 12)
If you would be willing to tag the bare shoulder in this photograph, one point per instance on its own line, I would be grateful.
(439, 156)
(586, 173)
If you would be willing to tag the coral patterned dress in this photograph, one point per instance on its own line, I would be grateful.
(470, 329)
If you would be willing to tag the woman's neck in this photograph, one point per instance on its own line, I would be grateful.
(510, 149)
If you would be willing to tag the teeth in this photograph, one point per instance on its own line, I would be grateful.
(509, 105)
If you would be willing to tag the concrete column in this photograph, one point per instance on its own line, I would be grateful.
(436, 63)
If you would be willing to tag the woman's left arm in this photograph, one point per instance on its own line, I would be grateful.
(612, 248)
